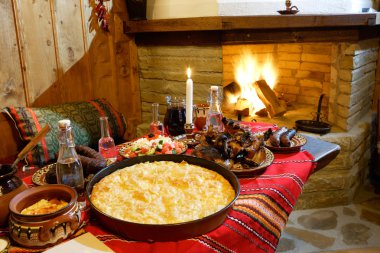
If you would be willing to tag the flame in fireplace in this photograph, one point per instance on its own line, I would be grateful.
(248, 68)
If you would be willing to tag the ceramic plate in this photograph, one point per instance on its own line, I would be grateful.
(296, 144)
(38, 177)
(126, 146)
(243, 172)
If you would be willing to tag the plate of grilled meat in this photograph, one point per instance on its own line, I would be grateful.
(283, 140)
(236, 148)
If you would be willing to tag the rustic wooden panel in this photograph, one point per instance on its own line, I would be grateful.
(38, 51)
(66, 56)
(127, 81)
(73, 65)
(11, 83)
(129, 86)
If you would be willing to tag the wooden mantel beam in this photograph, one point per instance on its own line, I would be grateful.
(225, 23)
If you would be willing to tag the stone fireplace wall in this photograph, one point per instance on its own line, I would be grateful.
(353, 76)
(345, 72)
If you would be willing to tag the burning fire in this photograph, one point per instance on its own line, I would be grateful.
(247, 70)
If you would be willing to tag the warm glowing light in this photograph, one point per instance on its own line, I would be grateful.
(188, 72)
(247, 70)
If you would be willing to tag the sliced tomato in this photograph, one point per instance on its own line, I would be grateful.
(144, 150)
(132, 155)
(165, 149)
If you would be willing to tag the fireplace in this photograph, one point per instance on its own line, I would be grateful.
(339, 63)
(299, 73)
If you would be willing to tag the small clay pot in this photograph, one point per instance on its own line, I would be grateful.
(45, 230)
(10, 186)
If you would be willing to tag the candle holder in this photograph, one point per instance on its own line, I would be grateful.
(189, 131)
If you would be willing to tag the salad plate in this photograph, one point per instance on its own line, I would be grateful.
(155, 145)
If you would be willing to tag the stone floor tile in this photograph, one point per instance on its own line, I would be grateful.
(355, 234)
(316, 239)
(285, 244)
(323, 219)
(348, 211)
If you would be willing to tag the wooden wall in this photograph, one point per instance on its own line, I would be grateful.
(53, 51)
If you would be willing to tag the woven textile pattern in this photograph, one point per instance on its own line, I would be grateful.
(84, 118)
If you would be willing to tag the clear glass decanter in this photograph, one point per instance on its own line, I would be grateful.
(69, 167)
(106, 146)
(156, 126)
(214, 115)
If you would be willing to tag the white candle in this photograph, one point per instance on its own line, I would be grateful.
(189, 98)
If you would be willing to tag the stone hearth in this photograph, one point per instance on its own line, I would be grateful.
(345, 72)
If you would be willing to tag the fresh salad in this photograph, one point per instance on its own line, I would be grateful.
(152, 145)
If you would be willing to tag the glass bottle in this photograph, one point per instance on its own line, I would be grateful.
(175, 117)
(69, 167)
(214, 115)
(106, 143)
(156, 126)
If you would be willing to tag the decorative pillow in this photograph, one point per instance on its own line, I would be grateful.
(85, 124)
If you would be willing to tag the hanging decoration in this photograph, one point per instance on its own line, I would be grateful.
(103, 15)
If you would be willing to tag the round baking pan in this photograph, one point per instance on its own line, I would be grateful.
(163, 232)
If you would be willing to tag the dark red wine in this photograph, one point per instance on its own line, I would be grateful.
(174, 122)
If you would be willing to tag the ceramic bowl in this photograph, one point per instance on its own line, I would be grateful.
(45, 230)
(10, 186)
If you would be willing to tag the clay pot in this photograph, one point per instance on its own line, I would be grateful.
(10, 186)
(45, 230)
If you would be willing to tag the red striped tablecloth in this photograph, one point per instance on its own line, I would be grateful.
(255, 222)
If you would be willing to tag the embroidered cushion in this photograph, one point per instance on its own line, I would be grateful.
(84, 118)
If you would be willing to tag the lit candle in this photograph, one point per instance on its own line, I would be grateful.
(189, 98)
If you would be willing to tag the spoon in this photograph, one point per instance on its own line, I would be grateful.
(33, 142)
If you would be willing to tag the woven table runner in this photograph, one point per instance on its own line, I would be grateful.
(255, 222)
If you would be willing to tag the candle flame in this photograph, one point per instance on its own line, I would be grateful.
(188, 72)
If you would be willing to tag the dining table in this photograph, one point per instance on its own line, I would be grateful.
(256, 219)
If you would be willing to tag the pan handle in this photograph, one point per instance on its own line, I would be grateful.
(319, 106)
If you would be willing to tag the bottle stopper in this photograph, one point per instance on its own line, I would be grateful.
(64, 123)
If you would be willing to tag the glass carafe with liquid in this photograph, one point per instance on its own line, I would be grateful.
(156, 126)
(106, 143)
(214, 114)
(69, 167)
(175, 117)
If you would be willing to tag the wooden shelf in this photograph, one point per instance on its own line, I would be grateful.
(225, 23)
